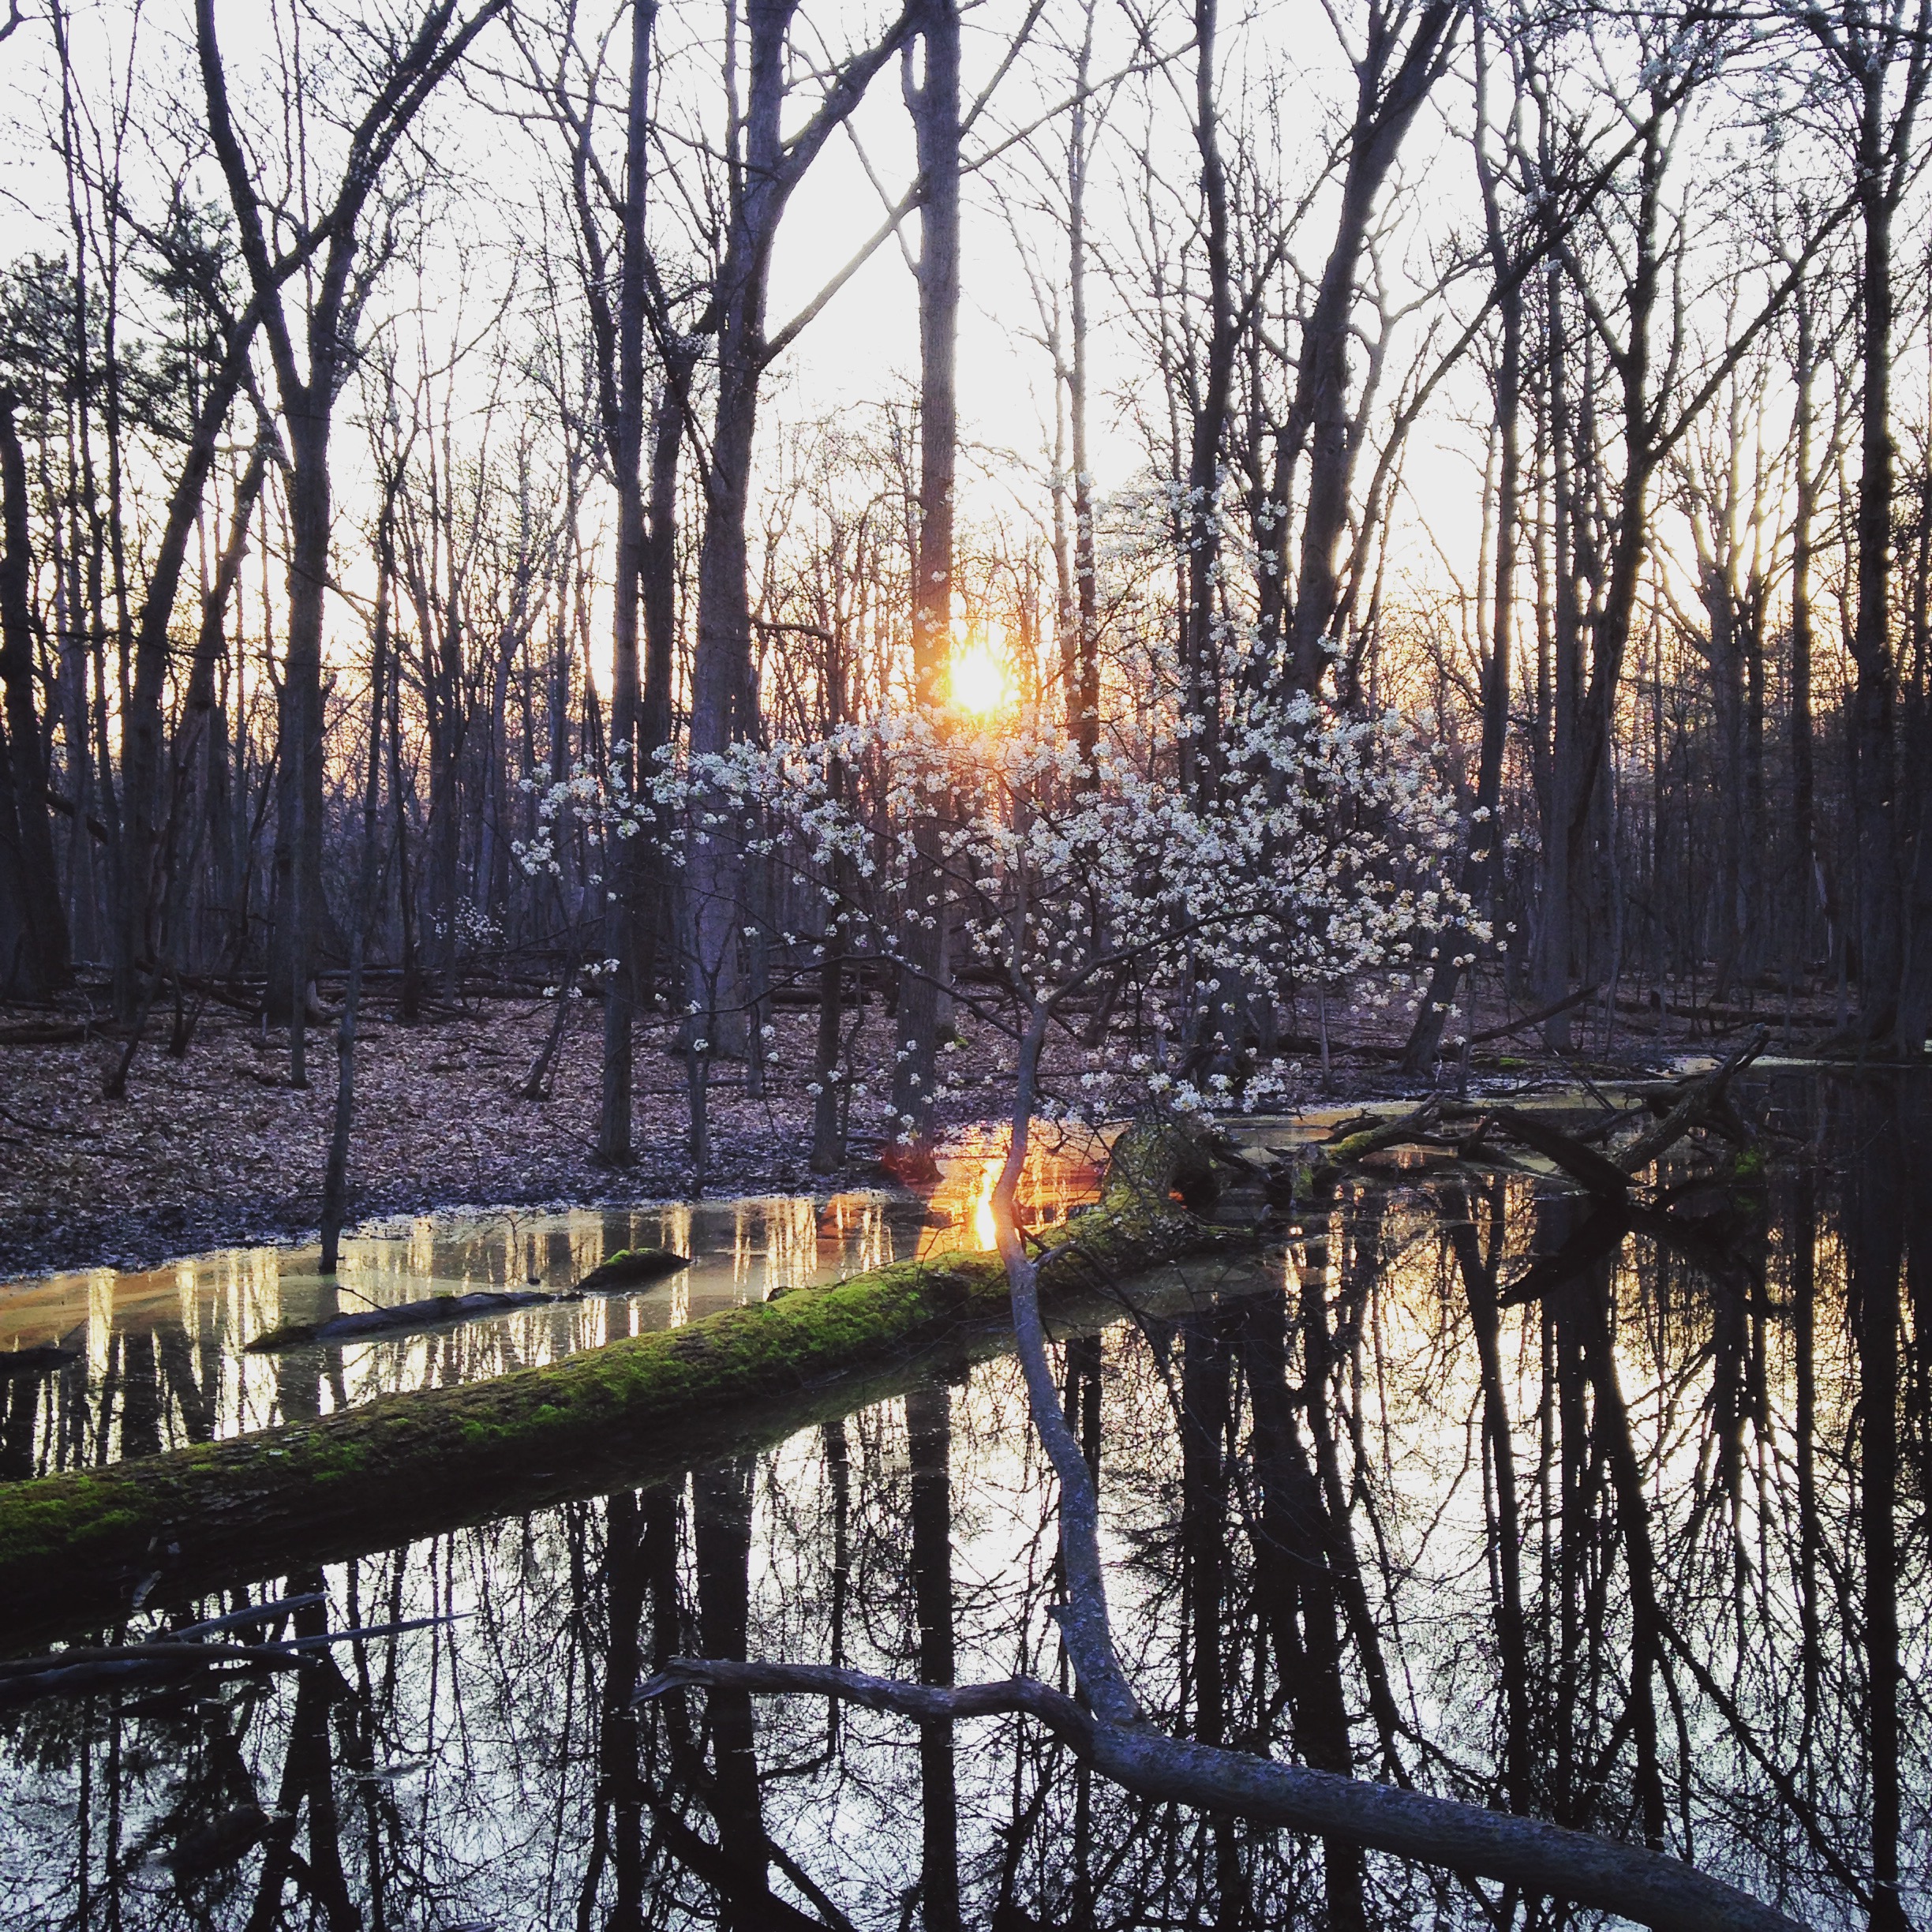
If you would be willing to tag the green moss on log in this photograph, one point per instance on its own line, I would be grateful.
(77, 1549)
(630, 1266)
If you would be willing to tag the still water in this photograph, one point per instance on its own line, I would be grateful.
(1646, 1554)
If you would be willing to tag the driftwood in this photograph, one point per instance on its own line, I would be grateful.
(1650, 1887)
(1680, 1108)
(629, 1268)
(1591, 1170)
(1704, 1099)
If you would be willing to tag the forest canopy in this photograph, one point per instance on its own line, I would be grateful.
(500, 488)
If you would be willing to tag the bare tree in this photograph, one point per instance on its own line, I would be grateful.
(403, 73)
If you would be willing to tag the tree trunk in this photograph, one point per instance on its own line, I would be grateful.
(1200, 521)
(298, 904)
(44, 961)
(620, 870)
(1321, 419)
(1480, 864)
(934, 106)
(143, 797)
(1804, 859)
(335, 1175)
(1874, 692)
(1084, 691)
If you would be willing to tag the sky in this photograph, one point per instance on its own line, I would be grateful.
(1281, 75)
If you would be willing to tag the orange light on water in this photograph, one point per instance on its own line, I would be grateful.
(1057, 1176)
(986, 1229)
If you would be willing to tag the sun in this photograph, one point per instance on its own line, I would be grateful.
(976, 677)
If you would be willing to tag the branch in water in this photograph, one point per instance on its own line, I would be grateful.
(1650, 1887)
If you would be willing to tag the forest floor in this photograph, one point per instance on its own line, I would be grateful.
(217, 1147)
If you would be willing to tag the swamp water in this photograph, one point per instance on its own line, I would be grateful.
(1647, 1555)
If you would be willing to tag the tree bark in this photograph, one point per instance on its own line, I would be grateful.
(934, 103)
(44, 961)
(1480, 867)
(764, 170)
(1321, 418)
(621, 870)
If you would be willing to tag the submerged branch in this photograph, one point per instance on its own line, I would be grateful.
(1650, 1887)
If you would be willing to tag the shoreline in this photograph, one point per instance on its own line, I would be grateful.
(215, 1150)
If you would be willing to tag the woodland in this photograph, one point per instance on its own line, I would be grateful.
(863, 567)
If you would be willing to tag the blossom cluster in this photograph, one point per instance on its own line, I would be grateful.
(1314, 852)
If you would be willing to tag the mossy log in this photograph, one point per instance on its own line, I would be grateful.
(631, 1267)
(79, 1550)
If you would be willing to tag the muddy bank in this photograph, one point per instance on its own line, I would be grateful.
(215, 1149)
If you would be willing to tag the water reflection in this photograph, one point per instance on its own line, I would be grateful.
(158, 1359)
(1647, 1555)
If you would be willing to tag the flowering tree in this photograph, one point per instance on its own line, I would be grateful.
(1317, 852)
(1317, 857)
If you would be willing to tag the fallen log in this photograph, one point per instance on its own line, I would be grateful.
(1532, 1019)
(1701, 1098)
(430, 1313)
(1582, 1163)
(78, 1550)
(49, 1033)
(1682, 1108)
(631, 1266)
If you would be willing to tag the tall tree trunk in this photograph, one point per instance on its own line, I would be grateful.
(1480, 865)
(1583, 828)
(417, 64)
(934, 106)
(1321, 420)
(44, 961)
(144, 799)
(764, 168)
(1874, 691)
(1201, 523)
(1083, 693)
(298, 907)
(335, 1175)
(1553, 933)
(195, 744)
(1803, 836)
(620, 872)
(660, 587)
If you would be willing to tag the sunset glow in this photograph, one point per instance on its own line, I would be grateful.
(977, 679)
